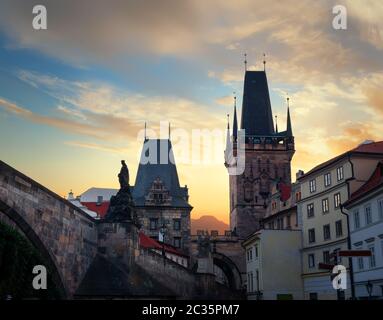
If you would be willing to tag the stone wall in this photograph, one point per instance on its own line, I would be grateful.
(118, 241)
(185, 283)
(65, 235)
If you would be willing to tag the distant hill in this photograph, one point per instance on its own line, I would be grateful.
(208, 223)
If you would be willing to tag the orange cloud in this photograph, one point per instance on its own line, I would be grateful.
(375, 99)
(353, 134)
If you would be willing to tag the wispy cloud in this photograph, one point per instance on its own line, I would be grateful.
(98, 147)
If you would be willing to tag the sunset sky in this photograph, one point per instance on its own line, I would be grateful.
(74, 97)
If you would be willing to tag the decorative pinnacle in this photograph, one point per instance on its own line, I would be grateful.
(264, 62)
(245, 61)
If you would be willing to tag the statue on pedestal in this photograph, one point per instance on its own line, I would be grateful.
(121, 208)
(123, 176)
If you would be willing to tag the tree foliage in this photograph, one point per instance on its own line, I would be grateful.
(17, 259)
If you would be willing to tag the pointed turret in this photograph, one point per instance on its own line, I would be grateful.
(228, 150)
(235, 123)
(257, 117)
(289, 131)
(157, 162)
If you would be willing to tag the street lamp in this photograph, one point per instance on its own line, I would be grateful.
(369, 286)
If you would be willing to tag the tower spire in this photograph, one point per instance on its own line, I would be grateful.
(289, 130)
(245, 61)
(145, 132)
(228, 120)
(235, 123)
(169, 131)
(264, 62)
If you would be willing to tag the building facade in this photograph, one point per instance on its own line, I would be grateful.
(365, 210)
(282, 211)
(273, 265)
(268, 154)
(162, 204)
(323, 191)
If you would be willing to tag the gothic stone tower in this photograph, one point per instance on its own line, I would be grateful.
(268, 154)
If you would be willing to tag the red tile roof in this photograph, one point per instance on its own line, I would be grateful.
(150, 243)
(373, 148)
(101, 209)
(373, 182)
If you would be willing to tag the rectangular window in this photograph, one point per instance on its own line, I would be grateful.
(336, 200)
(356, 220)
(312, 185)
(380, 208)
(153, 224)
(327, 179)
(177, 224)
(325, 205)
(310, 210)
(311, 235)
(372, 261)
(338, 228)
(298, 196)
(256, 251)
(326, 232)
(250, 254)
(339, 173)
(360, 263)
(99, 200)
(177, 242)
(311, 260)
(367, 213)
(326, 257)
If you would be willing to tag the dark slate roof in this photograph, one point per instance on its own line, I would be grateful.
(257, 117)
(107, 279)
(157, 161)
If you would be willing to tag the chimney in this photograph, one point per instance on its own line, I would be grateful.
(70, 196)
(299, 174)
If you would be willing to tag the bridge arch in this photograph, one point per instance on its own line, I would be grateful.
(32, 236)
(230, 270)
